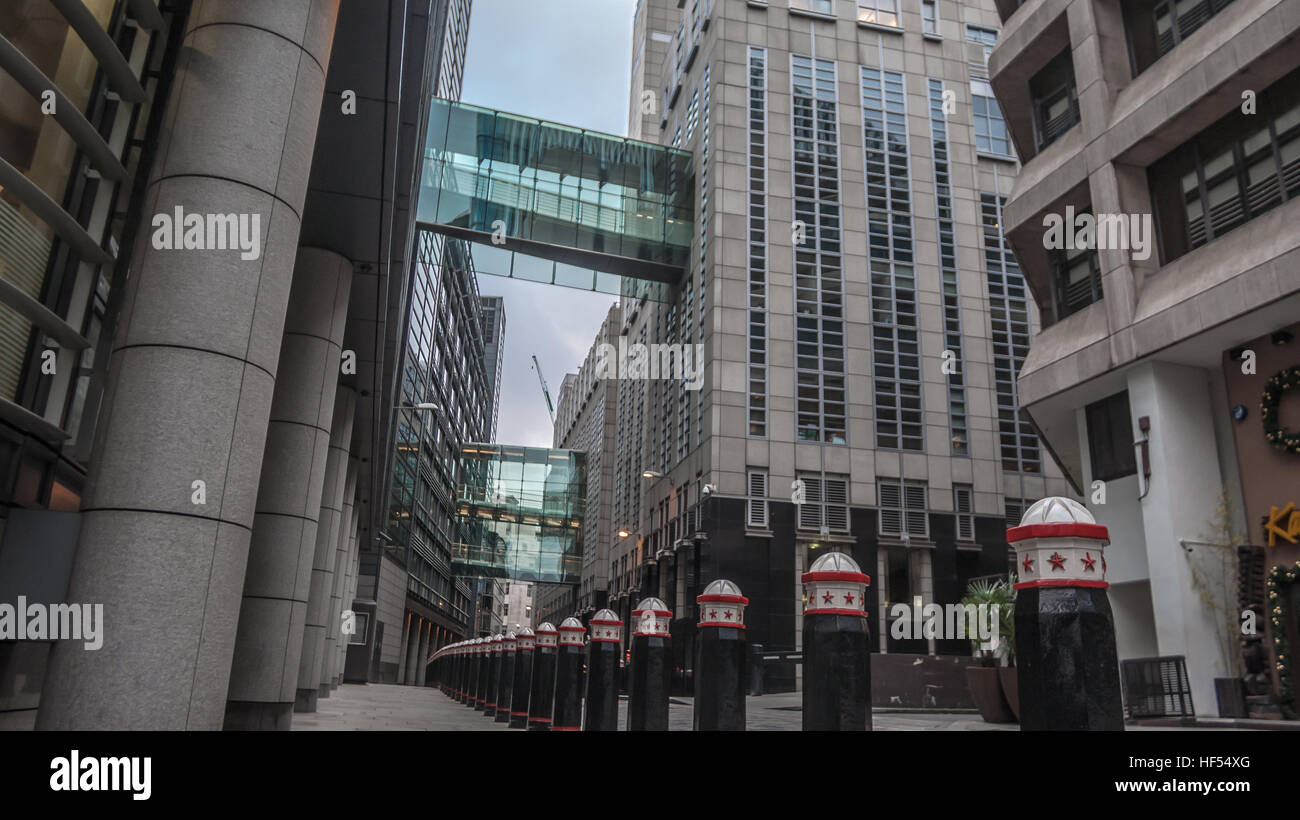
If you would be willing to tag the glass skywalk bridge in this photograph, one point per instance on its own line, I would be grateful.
(548, 203)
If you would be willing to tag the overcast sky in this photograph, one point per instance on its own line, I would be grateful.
(567, 61)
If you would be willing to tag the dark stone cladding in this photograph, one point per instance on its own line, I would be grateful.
(764, 569)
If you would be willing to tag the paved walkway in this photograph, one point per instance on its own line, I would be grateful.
(386, 707)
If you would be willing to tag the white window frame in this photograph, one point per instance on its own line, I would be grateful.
(933, 21)
(869, 12)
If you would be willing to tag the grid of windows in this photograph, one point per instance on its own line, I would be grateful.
(1175, 20)
(903, 508)
(826, 503)
(757, 217)
(1076, 279)
(895, 343)
(879, 12)
(1009, 317)
(819, 280)
(702, 300)
(952, 337)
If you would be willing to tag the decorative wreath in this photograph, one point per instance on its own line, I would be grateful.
(1273, 390)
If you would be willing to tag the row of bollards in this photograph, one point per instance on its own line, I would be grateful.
(1065, 646)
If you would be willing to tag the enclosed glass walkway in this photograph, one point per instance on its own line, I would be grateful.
(550, 203)
(519, 513)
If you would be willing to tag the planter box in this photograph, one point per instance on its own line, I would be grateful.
(986, 690)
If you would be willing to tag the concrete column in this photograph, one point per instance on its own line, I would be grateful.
(349, 595)
(332, 621)
(192, 374)
(401, 653)
(327, 535)
(272, 615)
(421, 668)
(412, 651)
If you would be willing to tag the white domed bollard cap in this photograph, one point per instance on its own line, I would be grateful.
(1059, 544)
(721, 604)
(510, 642)
(653, 617)
(572, 632)
(497, 642)
(835, 585)
(546, 634)
(526, 639)
(606, 627)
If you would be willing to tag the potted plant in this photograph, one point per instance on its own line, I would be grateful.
(984, 677)
(1007, 675)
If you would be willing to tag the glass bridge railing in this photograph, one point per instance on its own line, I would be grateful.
(549, 203)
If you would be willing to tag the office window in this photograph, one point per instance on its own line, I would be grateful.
(1230, 173)
(821, 6)
(952, 335)
(818, 268)
(828, 508)
(929, 17)
(991, 134)
(1110, 438)
(1055, 103)
(757, 242)
(1015, 511)
(1009, 323)
(757, 504)
(362, 625)
(979, 34)
(895, 346)
(903, 507)
(1076, 280)
(963, 504)
(880, 12)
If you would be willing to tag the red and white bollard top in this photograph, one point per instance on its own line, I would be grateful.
(498, 643)
(546, 634)
(525, 640)
(606, 627)
(835, 585)
(572, 632)
(721, 604)
(510, 643)
(653, 618)
(1059, 544)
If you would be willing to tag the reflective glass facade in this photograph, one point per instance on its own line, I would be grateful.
(586, 208)
(520, 513)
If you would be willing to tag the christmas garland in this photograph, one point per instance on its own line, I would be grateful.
(1273, 390)
(1286, 686)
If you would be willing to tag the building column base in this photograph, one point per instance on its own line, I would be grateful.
(305, 700)
(246, 716)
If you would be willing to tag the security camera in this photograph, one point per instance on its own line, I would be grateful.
(707, 490)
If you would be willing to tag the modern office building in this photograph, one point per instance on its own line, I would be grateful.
(862, 316)
(205, 252)
(1167, 332)
(586, 419)
(494, 352)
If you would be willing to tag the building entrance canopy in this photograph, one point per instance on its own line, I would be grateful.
(519, 513)
(549, 203)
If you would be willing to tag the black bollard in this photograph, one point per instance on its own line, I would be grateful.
(506, 679)
(1066, 661)
(520, 689)
(568, 677)
(652, 668)
(542, 698)
(494, 674)
(603, 657)
(481, 673)
(836, 647)
(466, 664)
(721, 653)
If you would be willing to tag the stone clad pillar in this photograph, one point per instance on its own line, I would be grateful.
(272, 615)
(421, 660)
(169, 504)
(342, 547)
(413, 650)
(327, 535)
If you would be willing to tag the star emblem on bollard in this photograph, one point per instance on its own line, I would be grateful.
(713, 613)
(1028, 564)
(1089, 563)
(1058, 561)
(827, 598)
(727, 613)
(848, 597)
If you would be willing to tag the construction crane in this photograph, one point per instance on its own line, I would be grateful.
(550, 408)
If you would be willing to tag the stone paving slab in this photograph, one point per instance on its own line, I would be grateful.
(388, 707)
